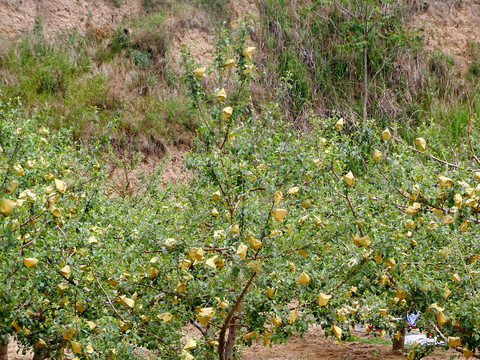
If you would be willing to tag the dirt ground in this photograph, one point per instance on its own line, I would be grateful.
(451, 27)
(173, 171)
(14, 355)
(314, 346)
(18, 16)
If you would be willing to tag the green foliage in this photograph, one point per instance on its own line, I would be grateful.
(149, 22)
(38, 27)
(248, 161)
(218, 10)
(474, 71)
(168, 119)
(70, 77)
(119, 41)
(440, 64)
(42, 68)
(38, 225)
(49, 73)
(149, 45)
(141, 58)
(150, 5)
(297, 72)
(324, 53)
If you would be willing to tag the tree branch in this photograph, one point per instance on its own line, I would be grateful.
(108, 298)
(456, 348)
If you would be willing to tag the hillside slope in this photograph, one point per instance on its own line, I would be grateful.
(450, 27)
(19, 16)
(116, 64)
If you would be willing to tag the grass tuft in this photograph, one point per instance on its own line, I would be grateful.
(375, 340)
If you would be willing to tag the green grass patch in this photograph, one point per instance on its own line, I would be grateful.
(149, 22)
(370, 340)
(64, 79)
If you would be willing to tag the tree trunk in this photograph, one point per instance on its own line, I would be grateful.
(230, 345)
(399, 345)
(226, 344)
(4, 352)
(40, 355)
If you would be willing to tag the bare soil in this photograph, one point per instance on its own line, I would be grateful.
(195, 31)
(314, 346)
(198, 40)
(18, 16)
(241, 8)
(15, 353)
(451, 27)
(128, 181)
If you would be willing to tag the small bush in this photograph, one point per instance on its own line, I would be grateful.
(150, 48)
(49, 81)
(141, 58)
(300, 87)
(120, 40)
(150, 5)
(440, 63)
(474, 70)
